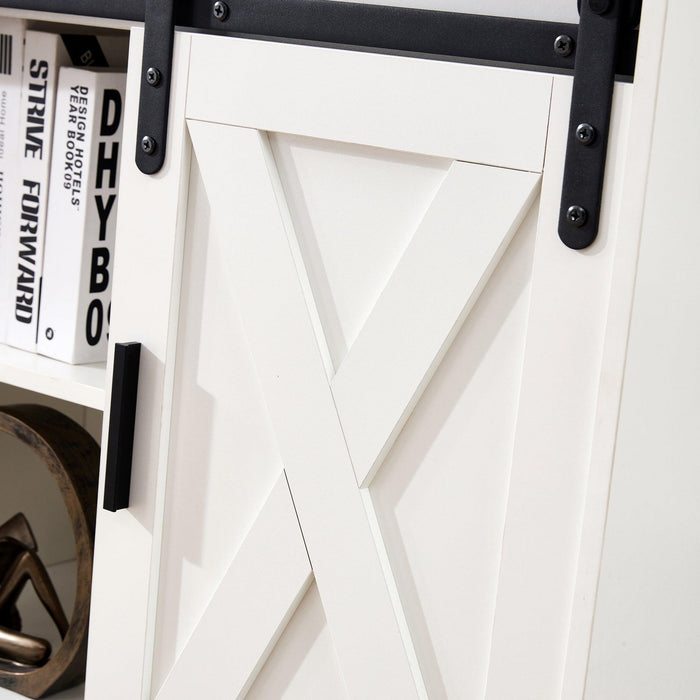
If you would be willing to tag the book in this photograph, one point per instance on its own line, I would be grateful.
(44, 54)
(11, 56)
(81, 216)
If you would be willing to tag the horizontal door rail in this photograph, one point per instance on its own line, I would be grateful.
(530, 43)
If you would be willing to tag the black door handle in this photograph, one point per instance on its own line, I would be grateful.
(122, 419)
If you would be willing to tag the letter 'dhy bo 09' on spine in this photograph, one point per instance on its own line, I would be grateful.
(82, 211)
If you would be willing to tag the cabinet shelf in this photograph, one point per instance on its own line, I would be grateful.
(81, 384)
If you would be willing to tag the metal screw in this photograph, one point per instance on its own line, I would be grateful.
(563, 45)
(148, 145)
(220, 11)
(576, 216)
(585, 133)
(599, 7)
(153, 76)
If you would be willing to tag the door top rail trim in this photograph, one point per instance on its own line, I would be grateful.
(435, 33)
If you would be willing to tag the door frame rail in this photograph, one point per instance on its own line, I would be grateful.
(435, 33)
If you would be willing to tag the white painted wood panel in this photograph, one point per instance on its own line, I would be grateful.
(615, 349)
(441, 493)
(223, 456)
(386, 609)
(355, 210)
(303, 665)
(551, 458)
(251, 607)
(318, 196)
(645, 637)
(150, 229)
(405, 104)
(240, 176)
(436, 282)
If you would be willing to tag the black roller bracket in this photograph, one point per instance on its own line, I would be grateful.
(598, 45)
(154, 98)
(122, 421)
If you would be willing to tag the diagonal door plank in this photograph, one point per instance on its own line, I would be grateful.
(436, 283)
(247, 199)
(249, 611)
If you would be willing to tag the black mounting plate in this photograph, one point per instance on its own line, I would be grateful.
(589, 121)
(154, 101)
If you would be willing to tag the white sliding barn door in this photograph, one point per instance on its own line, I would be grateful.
(387, 379)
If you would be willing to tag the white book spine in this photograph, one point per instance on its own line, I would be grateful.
(11, 57)
(43, 54)
(75, 307)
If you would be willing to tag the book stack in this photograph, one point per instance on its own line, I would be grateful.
(61, 114)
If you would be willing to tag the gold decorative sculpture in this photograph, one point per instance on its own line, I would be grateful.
(19, 564)
(27, 664)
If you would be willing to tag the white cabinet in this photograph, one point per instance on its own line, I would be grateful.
(369, 316)
(378, 397)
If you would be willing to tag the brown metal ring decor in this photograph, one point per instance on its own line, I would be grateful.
(72, 457)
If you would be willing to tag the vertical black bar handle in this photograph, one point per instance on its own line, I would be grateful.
(122, 418)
